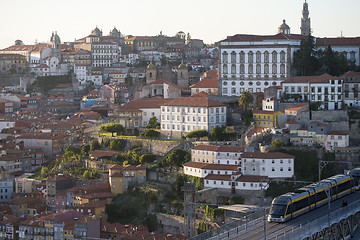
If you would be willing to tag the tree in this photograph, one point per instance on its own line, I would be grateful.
(217, 134)
(147, 158)
(305, 61)
(277, 143)
(94, 145)
(85, 149)
(150, 133)
(246, 99)
(177, 157)
(196, 133)
(87, 175)
(153, 122)
(112, 128)
(44, 172)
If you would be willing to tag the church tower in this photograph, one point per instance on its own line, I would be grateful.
(183, 76)
(284, 28)
(151, 73)
(305, 20)
(55, 45)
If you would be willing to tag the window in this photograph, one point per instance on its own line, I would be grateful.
(242, 57)
(225, 69)
(274, 56)
(250, 57)
(250, 69)
(273, 169)
(274, 69)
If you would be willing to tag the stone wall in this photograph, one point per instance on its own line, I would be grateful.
(170, 223)
(337, 120)
(219, 196)
(161, 177)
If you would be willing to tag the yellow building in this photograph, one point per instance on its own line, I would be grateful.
(121, 176)
(266, 119)
(97, 209)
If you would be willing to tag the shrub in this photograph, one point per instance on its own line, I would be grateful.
(147, 158)
(150, 133)
(197, 133)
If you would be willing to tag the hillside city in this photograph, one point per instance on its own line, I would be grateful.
(115, 136)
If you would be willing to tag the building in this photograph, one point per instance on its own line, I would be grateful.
(182, 115)
(121, 176)
(209, 86)
(299, 112)
(351, 83)
(336, 139)
(95, 208)
(270, 104)
(6, 190)
(325, 88)
(271, 164)
(104, 54)
(55, 185)
(266, 119)
(305, 20)
(256, 62)
(13, 63)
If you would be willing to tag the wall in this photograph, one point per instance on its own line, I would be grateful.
(170, 223)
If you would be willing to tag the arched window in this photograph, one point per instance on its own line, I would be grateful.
(242, 69)
(274, 56)
(225, 57)
(344, 53)
(250, 69)
(233, 69)
(274, 69)
(258, 68)
(266, 68)
(266, 56)
(282, 56)
(282, 68)
(225, 69)
(250, 57)
(233, 57)
(150, 75)
(242, 57)
(258, 57)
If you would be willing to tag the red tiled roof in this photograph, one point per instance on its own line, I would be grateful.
(351, 74)
(260, 38)
(218, 177)
(211, 166)
(194, 102)
(297, 107)
(324, 78)
(38, 135)
(340, 41)
(100, 153)
(264, 112)
(247, 178)
(217, 148)
(206, 83)
(269, 155)
(94, 204)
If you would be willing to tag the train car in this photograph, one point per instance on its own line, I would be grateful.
(305, 199)
(355, 174)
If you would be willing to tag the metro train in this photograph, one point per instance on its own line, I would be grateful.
(305, 199)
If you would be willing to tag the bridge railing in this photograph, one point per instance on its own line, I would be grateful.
(302, 231)
(227, 230)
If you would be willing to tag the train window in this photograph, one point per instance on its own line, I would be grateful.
(320, 195)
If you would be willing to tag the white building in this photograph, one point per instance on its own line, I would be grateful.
(271, 164)
(95, 78)
(336, 139)
(255, 62)
(186, 114)
(325, 88)
(81, 72)
(104, 54)
(236, 182)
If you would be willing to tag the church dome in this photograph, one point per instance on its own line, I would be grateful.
(151, 66)
(114, 31)
(182, 66)
(284, 28)
(96, 32)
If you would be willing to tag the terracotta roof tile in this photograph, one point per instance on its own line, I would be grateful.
(217, 148)
(206, 83)
(338, 133)
(247, 178)
(324, 78)
(269, 155)
(194, 102)
(218, 177)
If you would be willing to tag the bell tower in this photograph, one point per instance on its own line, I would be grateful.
(305, 20)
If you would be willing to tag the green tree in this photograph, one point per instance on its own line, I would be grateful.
(44, 172)
(12, 70)
(112, 128)
(94, 145)
(153, 122)
(217, 134)
(87, 175)
(246, 99)
(150, 133)
(277, 143)
(85, 149)
(177, 157)
(147, 158)
(305, 61)
(198, 133)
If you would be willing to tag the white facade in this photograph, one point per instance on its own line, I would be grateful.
(272, 165)
(104, 54)
(96, 79)
(325, 88)
(256, 63)
(186, 118)
(336, 139)
(148, 113)
(81, 73)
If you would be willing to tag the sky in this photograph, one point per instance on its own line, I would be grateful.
(210, 20)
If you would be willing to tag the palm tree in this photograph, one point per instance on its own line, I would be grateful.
(246, 99)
